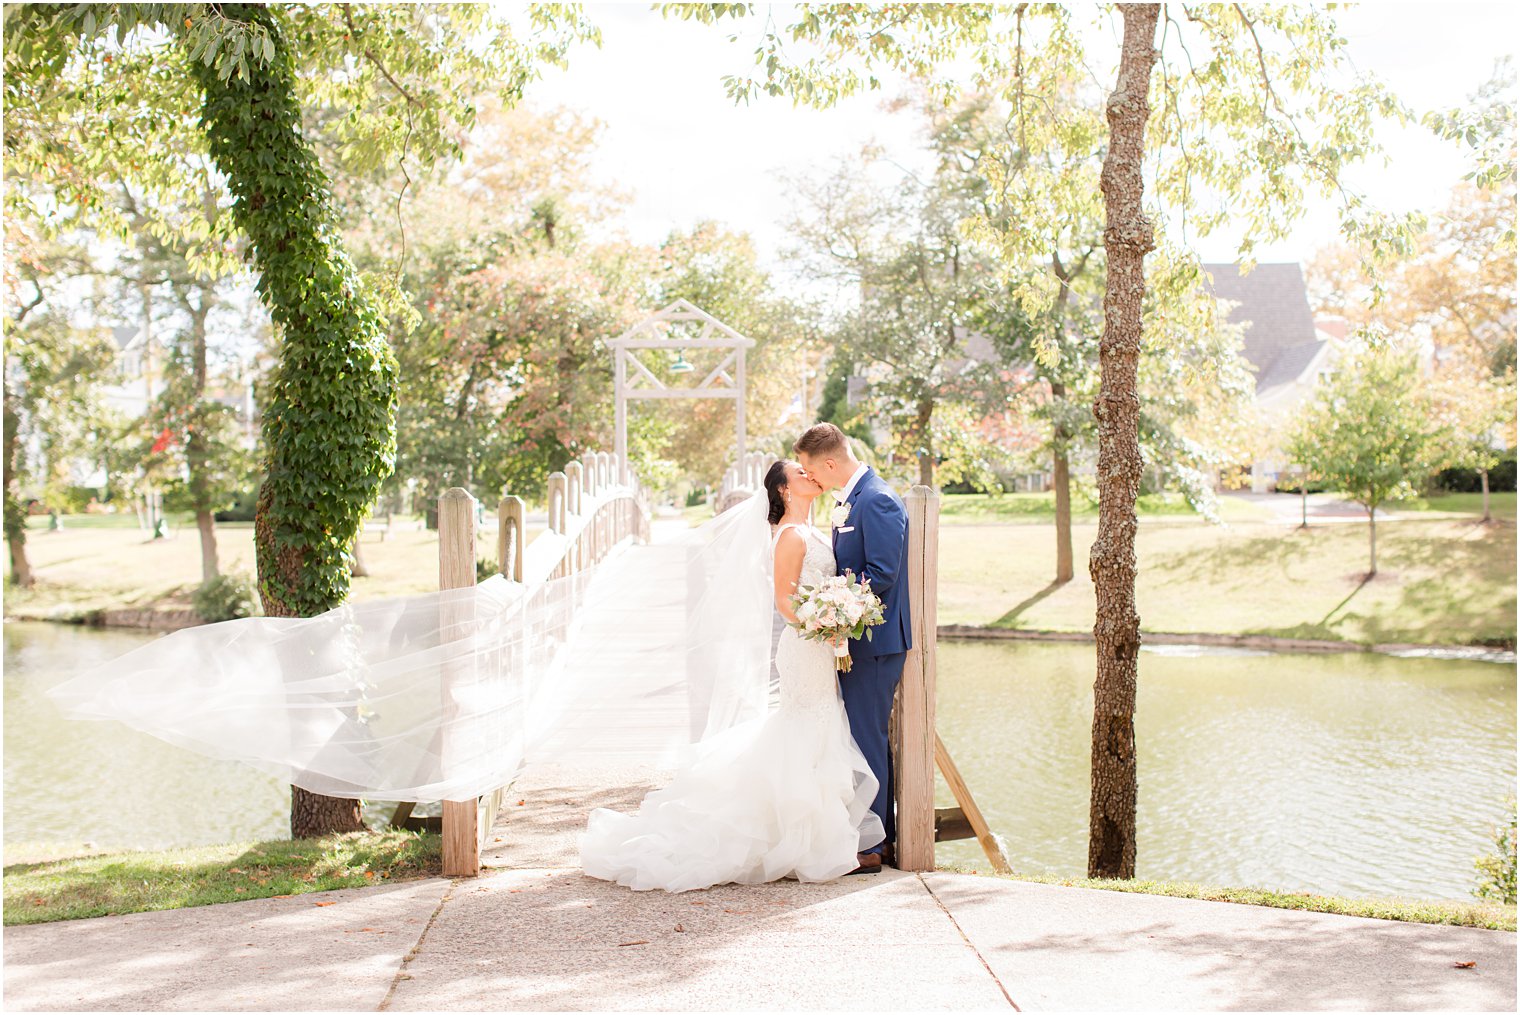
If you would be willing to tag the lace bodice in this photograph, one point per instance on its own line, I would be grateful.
(808, 685)
(817, 555)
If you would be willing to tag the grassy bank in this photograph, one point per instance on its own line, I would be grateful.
(86, 568)
(107, 884)
(1442, 579)
(1487, 915)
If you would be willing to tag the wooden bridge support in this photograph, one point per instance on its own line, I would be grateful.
(456, 570)
(913, 714)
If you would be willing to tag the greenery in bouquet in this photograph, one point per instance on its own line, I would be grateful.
(835, 610)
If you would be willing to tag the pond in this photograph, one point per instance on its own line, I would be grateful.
(1347, 773)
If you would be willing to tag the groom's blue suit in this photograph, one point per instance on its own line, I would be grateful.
(873, 543)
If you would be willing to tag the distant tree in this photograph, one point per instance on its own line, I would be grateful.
(919, 283)
(53, 409)
(1369, 433)
(1478, 421)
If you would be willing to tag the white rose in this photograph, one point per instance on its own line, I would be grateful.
(839, 515)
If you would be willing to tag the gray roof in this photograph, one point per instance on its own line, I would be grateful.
(1280, 338)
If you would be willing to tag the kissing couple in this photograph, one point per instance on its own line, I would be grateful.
(805, 790)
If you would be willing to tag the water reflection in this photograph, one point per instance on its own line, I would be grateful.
(69, 782)
(1347, 773)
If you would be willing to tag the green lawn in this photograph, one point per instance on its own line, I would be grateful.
(106, 884)
(88, 567)
(1500, 505)
(1441, 580)
(120, 520)
(1034, 508)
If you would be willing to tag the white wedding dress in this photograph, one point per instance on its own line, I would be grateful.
(783, 795)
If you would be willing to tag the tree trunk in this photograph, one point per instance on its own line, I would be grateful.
(1061, 477)
(1303, 501)
(1127, 237)
(196, 451)
(1060, 471)
(925, 443)
(15, 511)
(334, 364)
(1061, 466)
(1488, 514)
(1372, 541)
(313, 815)
(358, 569)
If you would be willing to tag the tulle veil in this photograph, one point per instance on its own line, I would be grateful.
(447, 695)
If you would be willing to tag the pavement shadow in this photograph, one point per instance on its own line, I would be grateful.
(337, 950)
(1108, 950)
(559, 940)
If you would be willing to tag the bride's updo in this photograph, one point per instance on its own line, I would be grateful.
(775, 482)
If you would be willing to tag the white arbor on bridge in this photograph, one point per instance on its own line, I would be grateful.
(678, 327)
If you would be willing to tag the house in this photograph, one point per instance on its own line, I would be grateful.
(1290, 351)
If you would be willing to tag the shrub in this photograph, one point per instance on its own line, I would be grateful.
(226, 597)
(242, 508)
(1496, 870)
(485, 569)
(1501, 479)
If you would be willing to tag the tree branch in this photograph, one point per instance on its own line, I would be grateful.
(369, 54)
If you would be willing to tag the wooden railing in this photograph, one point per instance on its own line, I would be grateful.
(742, 479)
(590, 513)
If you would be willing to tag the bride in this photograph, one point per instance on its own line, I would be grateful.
(785, 794)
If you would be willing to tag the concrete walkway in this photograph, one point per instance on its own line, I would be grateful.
(535, 934)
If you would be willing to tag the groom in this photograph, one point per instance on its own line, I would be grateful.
(870, 539)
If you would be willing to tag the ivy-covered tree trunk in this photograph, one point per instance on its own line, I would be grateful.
(1127, 237)
(329, 428)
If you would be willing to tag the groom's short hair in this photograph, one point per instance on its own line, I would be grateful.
(820, 440)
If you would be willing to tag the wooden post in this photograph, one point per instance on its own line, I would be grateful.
(740, 434)
(914, 728)
(620, 403)
(556, 498)
(456, 570)
(573, 475)
(588, 471)
(509, 537)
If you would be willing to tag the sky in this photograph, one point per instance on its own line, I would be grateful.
(687, 153)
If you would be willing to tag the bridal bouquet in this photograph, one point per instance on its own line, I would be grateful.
(839, 607)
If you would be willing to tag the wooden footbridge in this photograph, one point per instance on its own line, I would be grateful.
(596, 507)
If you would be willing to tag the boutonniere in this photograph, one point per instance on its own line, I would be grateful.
(840, 514)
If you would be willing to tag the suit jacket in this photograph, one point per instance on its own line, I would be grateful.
(873, 543)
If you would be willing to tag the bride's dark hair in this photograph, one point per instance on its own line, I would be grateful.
(775, 482)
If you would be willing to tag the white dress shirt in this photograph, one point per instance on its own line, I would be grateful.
(855, 477)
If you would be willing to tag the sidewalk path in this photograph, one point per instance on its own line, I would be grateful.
(533, 933)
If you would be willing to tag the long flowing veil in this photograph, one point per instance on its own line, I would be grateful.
(445, 695)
